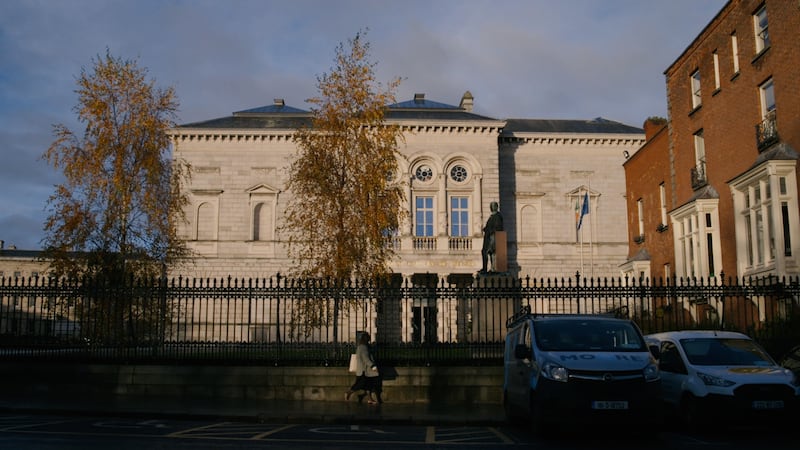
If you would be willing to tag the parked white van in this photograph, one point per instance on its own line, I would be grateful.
(565, 368)
(722, 376)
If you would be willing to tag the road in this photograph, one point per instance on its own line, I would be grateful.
(46, 432)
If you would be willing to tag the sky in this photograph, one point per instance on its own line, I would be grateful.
(535, 59)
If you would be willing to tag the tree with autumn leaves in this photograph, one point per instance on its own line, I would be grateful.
(115, 213)
(346, 193)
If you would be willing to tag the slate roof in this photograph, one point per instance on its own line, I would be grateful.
(280, 116)
(597, 125)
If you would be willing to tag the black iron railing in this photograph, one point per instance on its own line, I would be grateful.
(698, 175)
(460, 320)
(767, 132)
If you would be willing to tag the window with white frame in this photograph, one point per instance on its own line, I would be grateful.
(700, 155)
(662, 196)
(640, 211)
(716, 69)
(695, 86)
(785, 217)
(697, 240)
(459, 216)
(761, 233)
(735, 52)
(767, 95)
(765, 202)
(423, 216)
(761, 25)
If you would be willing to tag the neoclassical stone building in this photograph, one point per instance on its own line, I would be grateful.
(455, 164)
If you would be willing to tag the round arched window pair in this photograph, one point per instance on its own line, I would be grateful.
(458, 173)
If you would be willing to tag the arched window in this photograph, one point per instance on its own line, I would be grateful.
(262, 222)
(206, 222)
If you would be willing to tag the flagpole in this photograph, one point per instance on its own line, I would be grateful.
(580, 231)
(591, 229)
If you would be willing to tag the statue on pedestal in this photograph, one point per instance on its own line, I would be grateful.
(493, 224)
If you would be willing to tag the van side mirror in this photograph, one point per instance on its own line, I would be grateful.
(655, 351)
(522, 351)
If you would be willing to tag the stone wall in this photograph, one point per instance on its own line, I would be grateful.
(456, 385)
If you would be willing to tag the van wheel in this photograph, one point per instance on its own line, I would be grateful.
(511, 418)
(537, 421)
(690, 413)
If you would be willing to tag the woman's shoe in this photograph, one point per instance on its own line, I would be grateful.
(347, 395)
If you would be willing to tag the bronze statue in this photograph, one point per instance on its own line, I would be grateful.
(494, 223)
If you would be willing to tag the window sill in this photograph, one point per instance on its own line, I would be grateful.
(716, 91)
(760, 54)
(695, 109)
(735, 75)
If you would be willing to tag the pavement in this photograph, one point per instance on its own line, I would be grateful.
(255, 410)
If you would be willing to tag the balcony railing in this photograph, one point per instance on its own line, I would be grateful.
(698, 174)
(767, 132)
(460, 243)
(424, 243)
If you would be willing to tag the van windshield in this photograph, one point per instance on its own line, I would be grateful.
(725, 352)
(580, 335)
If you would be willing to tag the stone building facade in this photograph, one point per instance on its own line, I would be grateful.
(455, 163)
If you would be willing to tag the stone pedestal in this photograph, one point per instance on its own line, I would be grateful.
(501, 251)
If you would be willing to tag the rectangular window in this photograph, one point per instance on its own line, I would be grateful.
(700, 156)
(640, 207)
(710, 246)
(748, 232)
(459, 216)
(787, 239)
(423, 217)
(767, 94)
(735, 52)
(695, 85)
(716, 70)
(761, 29)
(662, 193)
(699, 147)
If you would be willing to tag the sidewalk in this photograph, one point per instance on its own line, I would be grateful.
(266, 411)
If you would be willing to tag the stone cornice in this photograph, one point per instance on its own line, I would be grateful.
(261, 135)
(593, 140)
(222, 136)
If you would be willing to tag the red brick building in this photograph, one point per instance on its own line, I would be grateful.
(730, 167)
(648, 190)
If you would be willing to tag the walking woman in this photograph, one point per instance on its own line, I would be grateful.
(367, 377)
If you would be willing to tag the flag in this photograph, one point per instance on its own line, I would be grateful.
(584, 209)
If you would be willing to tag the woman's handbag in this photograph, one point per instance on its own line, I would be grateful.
(353, 363)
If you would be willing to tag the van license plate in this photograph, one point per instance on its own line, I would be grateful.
(609, 405)
(768, 404)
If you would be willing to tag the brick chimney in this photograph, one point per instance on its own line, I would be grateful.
(652, 126)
